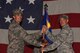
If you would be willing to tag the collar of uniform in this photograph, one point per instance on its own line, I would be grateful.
(65, 26)
(14, 22)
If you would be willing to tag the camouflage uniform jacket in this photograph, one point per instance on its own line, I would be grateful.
(61, 42)
(17, 37)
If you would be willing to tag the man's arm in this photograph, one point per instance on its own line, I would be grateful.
(57, 40)
(30, 38)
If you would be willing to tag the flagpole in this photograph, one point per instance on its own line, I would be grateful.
(45, 8)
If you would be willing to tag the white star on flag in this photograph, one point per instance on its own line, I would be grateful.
(8, 1)
(0, 7)
(8, 19)
(31, 1)
(31, 20)
(21, 9)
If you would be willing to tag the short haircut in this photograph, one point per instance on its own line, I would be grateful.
(63, 16)
(17, 12)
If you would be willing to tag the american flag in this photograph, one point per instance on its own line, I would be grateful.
(32, 14)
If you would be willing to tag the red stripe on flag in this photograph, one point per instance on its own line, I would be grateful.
(74, 20)
(76, 47)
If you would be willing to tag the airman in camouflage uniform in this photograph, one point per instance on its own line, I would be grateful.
(62, 43)
(17, 35)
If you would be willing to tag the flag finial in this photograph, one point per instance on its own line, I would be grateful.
(45, 6)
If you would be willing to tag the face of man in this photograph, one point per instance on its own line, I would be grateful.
(63, 21)
(18, 18)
